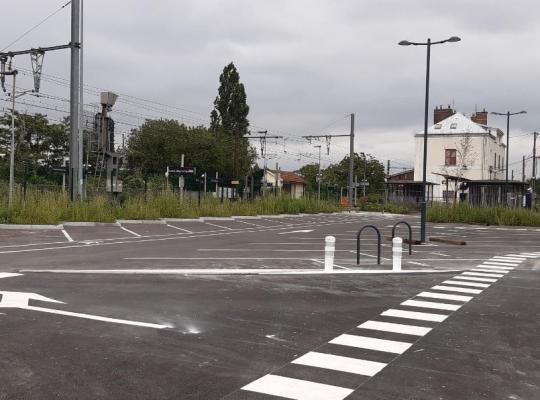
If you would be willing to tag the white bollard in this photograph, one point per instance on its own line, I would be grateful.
(329, 248)
(397, 251)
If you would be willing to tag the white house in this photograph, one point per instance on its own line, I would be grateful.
(459, 148)
(289, 183)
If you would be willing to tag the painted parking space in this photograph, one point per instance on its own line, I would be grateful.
(91, 233)
(22, 237)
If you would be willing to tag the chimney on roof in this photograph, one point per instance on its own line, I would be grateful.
(441, 113)
(480, 117)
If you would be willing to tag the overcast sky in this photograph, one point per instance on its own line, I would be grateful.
(306, 64)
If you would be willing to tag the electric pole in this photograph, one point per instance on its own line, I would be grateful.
(523, 170)
(263, 152)
(351, 157)
(533, 176)
(319, 174)
(74, 99)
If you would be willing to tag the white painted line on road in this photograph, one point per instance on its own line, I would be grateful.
(31, 244)
(418, 263)
(495, 267)
(131, 232)
(322, 262)
(8, 275)
(484, 274)
(456, 289)
(69, 238)
(414, 315)
(430, 304)
(301, 231)
(454, 282)
(177, 228)
(508, 259)
(219, 226)
(250, 223)
(340, 363)
(474, 278)
(502, 271)
(496, 262)
(364, 342)
(297, 389)
(444, 296)
(97, 318)
(217, 258)
(395, 328)
(526, 255)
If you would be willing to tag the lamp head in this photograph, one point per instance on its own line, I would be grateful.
(404, 43)
(454, 39)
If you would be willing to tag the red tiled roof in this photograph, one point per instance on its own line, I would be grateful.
(290, 177)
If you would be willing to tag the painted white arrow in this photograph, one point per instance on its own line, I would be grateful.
(21, 300)
(302, 231)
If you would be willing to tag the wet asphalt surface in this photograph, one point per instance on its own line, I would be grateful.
(213, 334)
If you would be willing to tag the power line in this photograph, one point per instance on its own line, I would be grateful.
(36, 26)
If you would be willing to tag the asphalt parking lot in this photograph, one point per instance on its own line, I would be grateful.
(240, 308)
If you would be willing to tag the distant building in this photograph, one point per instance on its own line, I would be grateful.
(289, 183)
(465, 161)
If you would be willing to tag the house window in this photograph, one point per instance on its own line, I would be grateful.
(438, 126)
(450, 157)
(453, 125)
(499, 162)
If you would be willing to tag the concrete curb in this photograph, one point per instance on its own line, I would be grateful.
(247, 217)
(140, 221)
(181, 220)
(216, 219)
(81, 223)
(32, 227)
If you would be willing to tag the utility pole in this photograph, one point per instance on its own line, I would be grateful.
(319, 174)
(351, 157)
(74, 99)
(533, 176)
(388, 168)
(351, 162)
(263, 153)
(81, 107)
(523, 170)
(12, 150)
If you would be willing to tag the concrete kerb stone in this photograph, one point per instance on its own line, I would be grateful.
(246, 217)
(140, 221)
(217, 219)
(32, 227)
(82, 223)
(167, 220)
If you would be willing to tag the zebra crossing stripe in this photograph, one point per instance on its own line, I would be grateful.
(414, 315)
(453, 282)
(489, 270)
(488, 275)
(475, 278)
(431, 304)
(340, 363)
(457, 289)
(395, 328)
(444, 296)
(298, 389)
(497, 267)
(364, 342)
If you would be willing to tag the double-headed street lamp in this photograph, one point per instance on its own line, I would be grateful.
(423, 204)
(508, 114)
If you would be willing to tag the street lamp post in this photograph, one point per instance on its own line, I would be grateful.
(507, 114)
(423, 203)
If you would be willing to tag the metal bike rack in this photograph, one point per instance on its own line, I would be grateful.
(410, 233)
(378, 243)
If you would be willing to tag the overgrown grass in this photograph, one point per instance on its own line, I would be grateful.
(465, 213)
(52, 208)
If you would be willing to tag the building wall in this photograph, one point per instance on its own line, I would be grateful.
(484, 147)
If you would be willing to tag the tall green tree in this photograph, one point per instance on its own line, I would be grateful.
(338, 174)
(230, 106)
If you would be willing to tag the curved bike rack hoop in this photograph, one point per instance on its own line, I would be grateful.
(410, 233)
(378, 243)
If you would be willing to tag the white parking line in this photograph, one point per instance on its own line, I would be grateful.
(414, 315)
(68, 237)
(340, 363)
(364, 342)
(395, 328)
(298, 389)
(128, 231)
(430, 304)
(177, 228)
(489, 270)
(444, 296)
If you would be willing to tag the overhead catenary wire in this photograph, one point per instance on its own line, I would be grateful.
(36, 26)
